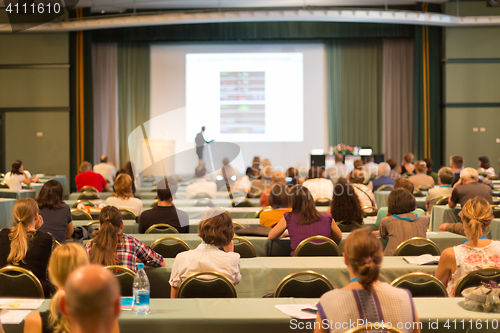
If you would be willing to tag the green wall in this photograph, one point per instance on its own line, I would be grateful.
(471, 81)
(34, 101)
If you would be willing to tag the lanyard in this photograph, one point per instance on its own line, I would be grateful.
(406, 218)
(466, 240)
(355, 279)
(446, 186)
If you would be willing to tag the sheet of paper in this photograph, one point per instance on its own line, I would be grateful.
(20, 303)
(295, 310)
(13, 316)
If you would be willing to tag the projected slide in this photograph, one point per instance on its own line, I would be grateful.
(245, 97)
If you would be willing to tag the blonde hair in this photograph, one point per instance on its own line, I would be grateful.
(363, 251)
(476, 216)
(64, 260)
(24, 212)
(123, 186)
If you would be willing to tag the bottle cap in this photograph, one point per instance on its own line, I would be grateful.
(140, 265)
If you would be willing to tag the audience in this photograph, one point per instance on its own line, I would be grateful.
(87, 177)
(365, 195)
(457, 165)
(339, 170)
(17, 176)
(231, 175)
(401, 223)
(109, 246)
(370, 168)
(216, 231)
(293, 176)
(394, 174)
(429, 172)
(129, 170)
(56, 214)
(384, 172)
(398, 183)
(105, 169)
(421, 180)
(407, 166)
(24, 245)
(201, 185)
(244, 184)
(255, 167)
(365, 297)
(259, 186)
(279, 201)
(165, 212)
(484, 167)
(476, 252)
(445, 177)
(304, 220)
(345, 207)
(317, 184)
(277, 178)
(91, 301)
(124, 199)
(64, 260)
(468, 187)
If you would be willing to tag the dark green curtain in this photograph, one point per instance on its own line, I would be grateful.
(354, 81)
(253, 31)
(428, 115)
(133, 91)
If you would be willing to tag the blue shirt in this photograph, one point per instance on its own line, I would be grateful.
(382, 180)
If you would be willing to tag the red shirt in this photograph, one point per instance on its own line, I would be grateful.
(90, 178)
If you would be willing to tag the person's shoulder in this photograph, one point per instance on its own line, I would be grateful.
(336, 296)
(326, 216)
(65, 206)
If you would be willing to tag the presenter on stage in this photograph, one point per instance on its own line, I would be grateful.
(200, 142)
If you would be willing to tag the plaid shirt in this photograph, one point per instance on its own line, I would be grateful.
(129, 249)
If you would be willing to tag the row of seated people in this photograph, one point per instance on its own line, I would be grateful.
(363, 257)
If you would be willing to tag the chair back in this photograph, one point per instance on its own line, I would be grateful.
(374, 327)
(127, 214)
(79, 215)
(417, 246)
(197, 286)
(304, 284)
(370, 210)
(473, 279)
(496, 200)
(125, 278)
(161, 228)
(348, 226)
(385, 188)
(443, 201)
(83, 202)
(89, 188)
(256, 194)
(89, 195)
(421, 285)
(317, 246)
(244, 247)
(4, 185)
(237, 226)
(201, 195)
(203, 202)
(20, 283)
(241, 202)
(496, 211)
(424, 188)
(94, 224)
(169, 247)
(263, 209)
(418, 194)
(322, 202)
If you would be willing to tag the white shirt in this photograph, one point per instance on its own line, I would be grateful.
(339, 170)
(201, 185)
(205, 258)
(319, 188)
(132, 204)
(364, 199)
(14, 181)
(108, 171)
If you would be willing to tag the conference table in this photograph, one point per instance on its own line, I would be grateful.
(6, 208)
(13, 194)
(382, 198)
(282, 247)
(60, 178)
(250, 315)
(150, 194)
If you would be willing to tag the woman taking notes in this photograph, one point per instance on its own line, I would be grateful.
(16, 177)
(304, 220)
(477, 252)
(365, 298)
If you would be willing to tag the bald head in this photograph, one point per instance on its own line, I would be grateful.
(92, 298)
(104, 159)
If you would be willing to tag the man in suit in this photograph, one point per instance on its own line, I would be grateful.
(200, 143)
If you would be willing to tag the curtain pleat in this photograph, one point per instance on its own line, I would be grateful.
(105, 90)
(133, 91)
(397, 98)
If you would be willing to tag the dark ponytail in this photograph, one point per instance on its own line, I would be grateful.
(106, 239)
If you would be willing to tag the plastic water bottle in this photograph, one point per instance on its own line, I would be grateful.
(141, 291)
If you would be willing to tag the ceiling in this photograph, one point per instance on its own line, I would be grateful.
(120, 5)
